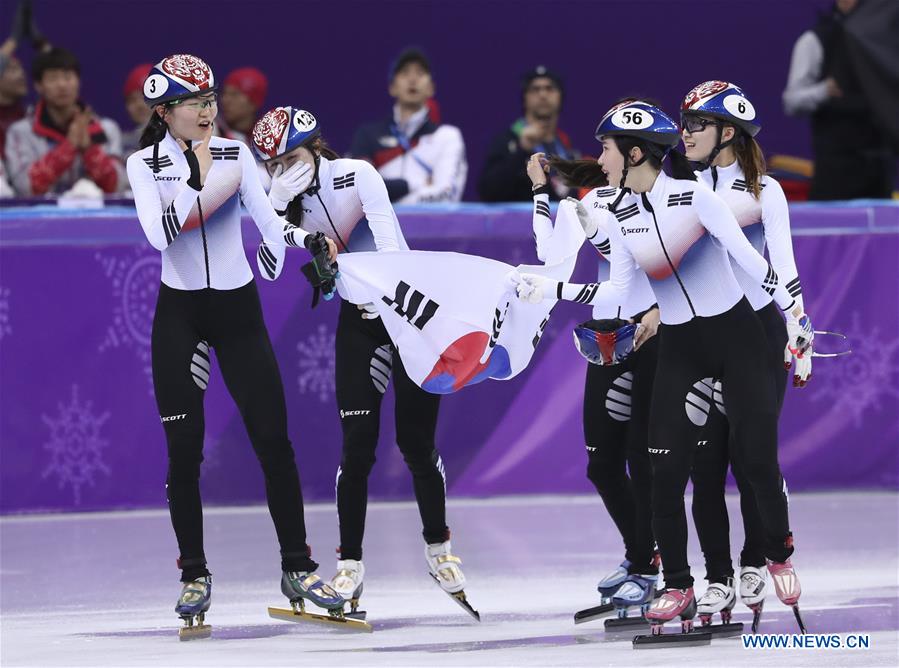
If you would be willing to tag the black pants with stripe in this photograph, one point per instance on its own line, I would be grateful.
(616, 431)
(730, 347)
(713, 454)
(364, 357)
(186, 324)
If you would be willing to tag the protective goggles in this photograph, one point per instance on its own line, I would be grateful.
(693, 124)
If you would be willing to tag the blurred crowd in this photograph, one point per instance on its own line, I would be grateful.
(54, 144)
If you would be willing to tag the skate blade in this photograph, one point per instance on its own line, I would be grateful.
(693, 639)
(596, 612)
(195, 632)
(358, 614)
(342, 623)
(721, 630)
(460, 598)
(625, 623)
(799, 621)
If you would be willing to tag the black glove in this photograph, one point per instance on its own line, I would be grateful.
(321, 272)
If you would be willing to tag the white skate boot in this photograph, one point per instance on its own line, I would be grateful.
(347, 582)
(753, 590)
(446, 570)
(718, 598)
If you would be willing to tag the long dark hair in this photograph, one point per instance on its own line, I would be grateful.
(154, 132)
(581, 173)
(751, 160)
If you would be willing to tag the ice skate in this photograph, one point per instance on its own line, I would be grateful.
(673, 603)
(446, 570)
(192, 606)
(299, 587)
(719, 598)
(786, 584)
(607, 586)
(347, 582)
(637, 591)
(753, 589)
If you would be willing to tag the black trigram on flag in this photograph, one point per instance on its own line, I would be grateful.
(409, 304)
(498, 319)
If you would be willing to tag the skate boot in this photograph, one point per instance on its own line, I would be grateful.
(192, 606)
(673, 603)
(300, 586)
(753, 589)
(786, 584)
(719, 598)
(636, 591)
(446, 570)
(612, 581)
(347, 582)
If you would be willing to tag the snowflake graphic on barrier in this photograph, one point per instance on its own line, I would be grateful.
(75, 444)
(135, 281)
(5, 327)
(317, 364)
(859, 381)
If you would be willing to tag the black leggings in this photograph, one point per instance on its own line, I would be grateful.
(731, 347)
(187, 323)
(616, 430)
(364, 357)
(714, 453)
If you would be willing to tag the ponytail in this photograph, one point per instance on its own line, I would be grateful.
(752, 162)
(680, 166)
(583, 173)
(154, 132)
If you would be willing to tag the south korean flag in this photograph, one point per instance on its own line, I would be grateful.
(454, 318)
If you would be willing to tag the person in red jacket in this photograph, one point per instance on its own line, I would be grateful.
(62, 141)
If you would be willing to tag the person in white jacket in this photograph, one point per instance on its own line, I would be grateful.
(188, 187)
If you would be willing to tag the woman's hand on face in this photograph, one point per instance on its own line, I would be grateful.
(202, 152)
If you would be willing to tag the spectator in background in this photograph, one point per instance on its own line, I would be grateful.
(831, 81)
(137, 109)
(243, 94)
(62, 141)
(13, 89)
(419, 158)
(504, 178)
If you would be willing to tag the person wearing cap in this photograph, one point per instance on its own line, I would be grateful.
(504, 178)
(683, 236)
(189, 187)
(243, 93)
(137, 109)
(62, 140)
(419, 158)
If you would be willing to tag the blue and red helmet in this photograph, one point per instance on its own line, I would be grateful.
(723, 100)
(605, 342)
(282, 130)
(634, 118)
(178, 77)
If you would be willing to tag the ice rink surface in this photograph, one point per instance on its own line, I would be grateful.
(99, 590)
